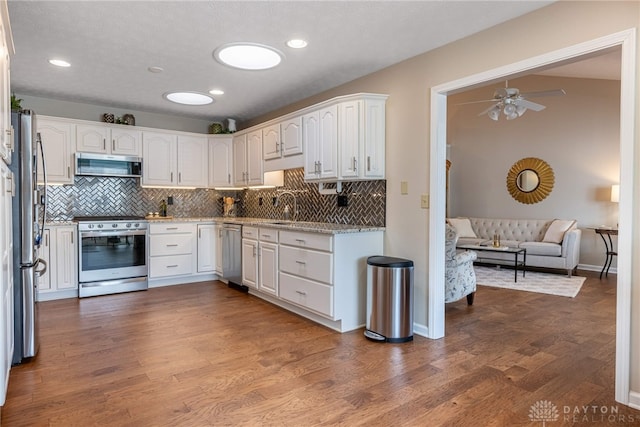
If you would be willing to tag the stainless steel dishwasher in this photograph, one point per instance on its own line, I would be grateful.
(232, 255)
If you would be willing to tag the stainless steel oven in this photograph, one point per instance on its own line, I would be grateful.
(112, 255)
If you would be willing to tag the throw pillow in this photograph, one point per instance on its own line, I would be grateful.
(555, 232)
(463, 227)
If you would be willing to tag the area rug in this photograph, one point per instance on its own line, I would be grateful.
(544, 283)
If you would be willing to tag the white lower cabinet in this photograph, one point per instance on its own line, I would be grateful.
(172, 247)
(59, 249)
(218, 244)
(250, 257)
(321, 276)
(207, 237)
(260, 259)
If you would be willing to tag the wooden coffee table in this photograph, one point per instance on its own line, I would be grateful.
(519, 255)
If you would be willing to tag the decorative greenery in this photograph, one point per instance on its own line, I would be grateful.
(15, 103)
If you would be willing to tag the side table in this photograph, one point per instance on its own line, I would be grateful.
(606, 234)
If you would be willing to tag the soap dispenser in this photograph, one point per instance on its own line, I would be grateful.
(286, 212)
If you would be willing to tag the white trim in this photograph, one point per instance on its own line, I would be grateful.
(421, 330)
(627, 40)
(634, 399)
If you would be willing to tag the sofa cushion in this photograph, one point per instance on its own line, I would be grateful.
(470, 241)
(542, 248)
(463, 227)
(555, 232)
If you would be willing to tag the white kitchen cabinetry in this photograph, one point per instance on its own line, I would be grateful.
(58, 139)
(6, 137)
(207, 239)
(320, 136)
(268, 260)
(218, 251)
(321, 276)
(361, 138)
(6, 277)
(250, 257)
(172, 247)
(282, 139)
(220, 161)
(59, 249)
(247, 159)
(174, 160)
(108, 140)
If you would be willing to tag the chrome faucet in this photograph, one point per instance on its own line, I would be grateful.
(286, 209)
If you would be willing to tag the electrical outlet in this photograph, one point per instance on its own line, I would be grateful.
(170, 200)
(274, 200)
(424, 201)
(343, 201)
(404, 187)
(259, 201)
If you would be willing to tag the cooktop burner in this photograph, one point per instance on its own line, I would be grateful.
(108, 218)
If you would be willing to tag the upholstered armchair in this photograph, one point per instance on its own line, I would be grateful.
(460, 277)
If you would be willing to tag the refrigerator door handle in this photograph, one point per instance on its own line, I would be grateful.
(42, 262)
(44, 176)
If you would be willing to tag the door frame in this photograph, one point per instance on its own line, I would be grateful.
(437, 175)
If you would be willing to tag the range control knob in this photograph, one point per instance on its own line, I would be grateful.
(128, 225)
(100, 225)
(90, 226)
(114, 225)
(136, 225)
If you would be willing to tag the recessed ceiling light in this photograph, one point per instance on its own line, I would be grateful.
(155, 69)
(59, 63)
(216, 92)
(248, 56)
(188, 98)
(297, 43)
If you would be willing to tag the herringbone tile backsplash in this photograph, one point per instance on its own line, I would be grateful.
(90, 196)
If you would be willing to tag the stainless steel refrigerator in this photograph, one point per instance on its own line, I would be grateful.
(28, 212)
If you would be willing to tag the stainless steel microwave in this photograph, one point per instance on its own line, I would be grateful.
(108, 165)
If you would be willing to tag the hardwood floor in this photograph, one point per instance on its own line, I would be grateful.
(203, 354)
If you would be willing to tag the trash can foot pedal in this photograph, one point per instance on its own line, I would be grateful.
(373, 336)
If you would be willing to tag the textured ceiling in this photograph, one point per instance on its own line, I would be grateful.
(111, 44)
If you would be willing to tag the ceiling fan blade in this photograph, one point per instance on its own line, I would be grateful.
(489, 109)
(529, 105)
(477, 102)
(555, 92)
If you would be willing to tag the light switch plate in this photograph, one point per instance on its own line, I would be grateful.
(404, 187)
(424, 201)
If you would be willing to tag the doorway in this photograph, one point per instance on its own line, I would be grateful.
(435, 303)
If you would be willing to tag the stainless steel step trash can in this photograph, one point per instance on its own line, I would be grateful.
(389, 299)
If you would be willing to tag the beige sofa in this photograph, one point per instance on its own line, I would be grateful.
(549, 243)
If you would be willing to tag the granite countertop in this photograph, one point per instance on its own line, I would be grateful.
(316, 227)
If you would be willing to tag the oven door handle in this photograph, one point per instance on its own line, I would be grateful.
(84, 234)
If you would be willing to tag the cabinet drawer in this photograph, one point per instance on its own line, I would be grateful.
(308, 294)
(309, 264)
(268, 235)
(250, 233)
(171, 227)
(170, 266)
(170, 244)
(321, 242)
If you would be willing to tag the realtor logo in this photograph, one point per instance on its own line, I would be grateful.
(543, 411)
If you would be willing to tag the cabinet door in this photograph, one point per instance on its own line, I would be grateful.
(126, 142)
(254, 158)
(271, 142)
(250, 263)
(220, 161)
(373, 166)
(311, 141)
(328, 142)
(268, 259)
(349, 138)
(240, 160)
(6, 137)
(44, 253)
(206, 247)
(291, 136)
(193, 157)
(218, 250)
(58, 138)
(92, 139)
(66, 264)
(159, 154)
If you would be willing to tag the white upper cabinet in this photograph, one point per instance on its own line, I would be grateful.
(6, 137)
(271, 142)
(282, 139)
(247, 159)
(174, 160)
(220, 161)
(349, 137)
(58, 140)
(108, 140)
(320, 136)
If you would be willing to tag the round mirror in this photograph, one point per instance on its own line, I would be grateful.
(527, 180)
(530, 180)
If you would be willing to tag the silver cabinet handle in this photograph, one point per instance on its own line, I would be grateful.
(301, 262)
(301, 293)
(179, 176)
(68, 171)
(277, 146)
(171, 176)
(104, 144)
(368, 163)
(229, 178)
(113, 145)
(355, 164)
(46, 240)
(301, 240)
(267, 235)
(172, 245)
(199, 234)
(72, 238)
(172, 266)
(171, 228)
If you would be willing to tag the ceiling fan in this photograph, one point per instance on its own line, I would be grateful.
(512, 103)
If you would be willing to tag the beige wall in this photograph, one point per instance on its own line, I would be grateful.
(578, 135)
(408, 85)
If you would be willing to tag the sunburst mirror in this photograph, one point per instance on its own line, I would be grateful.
(530, 180)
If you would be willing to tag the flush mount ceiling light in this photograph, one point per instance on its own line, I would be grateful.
(59, 63)
(297, 43)
(216, 92)
(155, 69)
(248, 56)
(188, 98)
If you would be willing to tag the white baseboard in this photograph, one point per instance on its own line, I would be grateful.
(634, 400)
(596, 268)
(421, 330)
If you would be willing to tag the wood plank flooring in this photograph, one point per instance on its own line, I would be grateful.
(203, 354)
